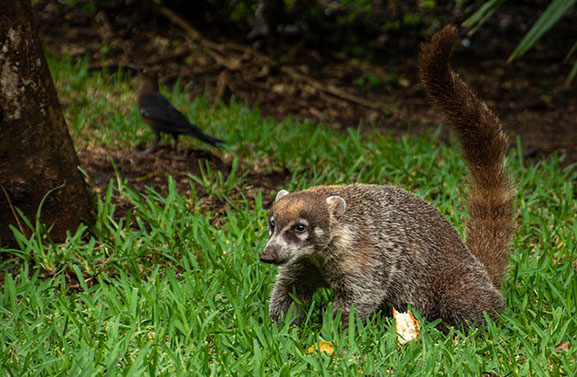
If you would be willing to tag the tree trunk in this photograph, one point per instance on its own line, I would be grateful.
(36, 151)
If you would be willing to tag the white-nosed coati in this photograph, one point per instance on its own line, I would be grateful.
(382, 247)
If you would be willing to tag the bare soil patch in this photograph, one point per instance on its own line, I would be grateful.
(142, 170)
(151, 171)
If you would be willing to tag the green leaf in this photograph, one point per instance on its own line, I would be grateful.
(572, 73)
(552, 14)
(482, 15)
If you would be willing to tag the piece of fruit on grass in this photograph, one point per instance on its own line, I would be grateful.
(406, 325)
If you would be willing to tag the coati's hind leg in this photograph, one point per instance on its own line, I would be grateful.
(301, 279)
(470, 296)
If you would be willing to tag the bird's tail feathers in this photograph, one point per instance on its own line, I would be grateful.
(207, 138)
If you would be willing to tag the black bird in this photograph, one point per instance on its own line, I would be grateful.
(162, 117)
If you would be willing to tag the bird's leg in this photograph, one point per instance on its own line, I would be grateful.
(175, 142)
(175, 148)
(154, 144)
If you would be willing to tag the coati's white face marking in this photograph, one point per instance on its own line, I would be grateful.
(299, 226)
(289, 243)
(271, 225)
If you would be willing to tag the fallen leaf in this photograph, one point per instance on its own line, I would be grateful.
(279, 88)
(406, 325)
(404, 82)
(563, 347)
(322, 346)
(233, 63)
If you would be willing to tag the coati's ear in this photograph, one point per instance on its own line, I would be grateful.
(337, 207)
(280, 194)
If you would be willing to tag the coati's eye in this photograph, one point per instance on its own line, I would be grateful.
(300, 228)
(271, 225)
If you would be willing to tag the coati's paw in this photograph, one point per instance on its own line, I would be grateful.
(343, 314)
(275, 315)
(282, 310)
(275, 318)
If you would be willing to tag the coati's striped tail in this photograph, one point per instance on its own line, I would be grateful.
(484, 144)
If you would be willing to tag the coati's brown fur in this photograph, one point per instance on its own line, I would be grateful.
(382, 247)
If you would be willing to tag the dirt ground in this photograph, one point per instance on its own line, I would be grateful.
(150, 171)
(530, 95)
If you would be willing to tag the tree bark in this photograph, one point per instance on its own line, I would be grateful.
(37, 158)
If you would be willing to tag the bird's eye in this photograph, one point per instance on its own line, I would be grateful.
(300, 228)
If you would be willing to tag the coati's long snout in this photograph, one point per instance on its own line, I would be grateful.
(273, 254)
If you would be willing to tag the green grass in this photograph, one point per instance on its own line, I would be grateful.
(171, 289)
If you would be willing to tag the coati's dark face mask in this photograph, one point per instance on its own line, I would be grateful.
(299, 225)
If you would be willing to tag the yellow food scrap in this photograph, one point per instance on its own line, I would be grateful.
(406, 325)
(322, 346)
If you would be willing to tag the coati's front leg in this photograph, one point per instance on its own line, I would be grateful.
(362, 297)
(301, 279)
